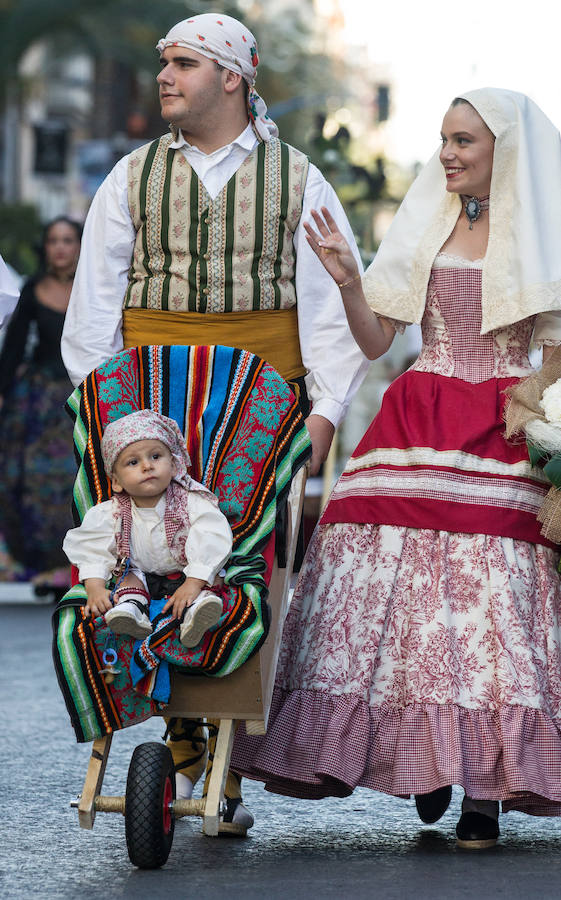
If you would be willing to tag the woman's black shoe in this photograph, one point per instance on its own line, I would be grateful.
(432, 806)
(476, 831)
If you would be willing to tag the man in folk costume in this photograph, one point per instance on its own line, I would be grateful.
(196, 238)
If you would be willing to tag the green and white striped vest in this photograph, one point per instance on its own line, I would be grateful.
(233, 253)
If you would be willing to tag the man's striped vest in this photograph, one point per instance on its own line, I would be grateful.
(233, 253)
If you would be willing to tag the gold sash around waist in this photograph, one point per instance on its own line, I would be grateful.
(270, 334)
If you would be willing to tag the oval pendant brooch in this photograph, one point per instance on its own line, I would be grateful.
(472, 210)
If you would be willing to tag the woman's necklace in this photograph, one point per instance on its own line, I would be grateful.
(473, 207)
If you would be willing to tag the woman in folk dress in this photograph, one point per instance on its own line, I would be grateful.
(423, 648)
(37, 467)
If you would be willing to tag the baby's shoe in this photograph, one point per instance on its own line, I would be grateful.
(130, 615)
(203, 613)
(236, 819)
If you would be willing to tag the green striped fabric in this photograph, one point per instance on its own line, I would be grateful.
(230, 253)
(246, 438)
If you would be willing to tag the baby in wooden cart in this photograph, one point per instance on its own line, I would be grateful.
(161, 533)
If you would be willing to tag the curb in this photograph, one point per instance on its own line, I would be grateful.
(21, 593)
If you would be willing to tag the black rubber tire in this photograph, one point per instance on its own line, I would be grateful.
(149, 826)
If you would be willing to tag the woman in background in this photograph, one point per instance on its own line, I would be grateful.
(36, 457)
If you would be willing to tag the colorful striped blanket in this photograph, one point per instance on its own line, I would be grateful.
(246, 439)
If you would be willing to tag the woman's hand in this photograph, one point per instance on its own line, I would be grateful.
(331, 248)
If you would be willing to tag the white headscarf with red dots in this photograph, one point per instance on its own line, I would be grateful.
(230, 44)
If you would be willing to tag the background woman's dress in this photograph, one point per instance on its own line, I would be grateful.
(36, 456)
(423, 647)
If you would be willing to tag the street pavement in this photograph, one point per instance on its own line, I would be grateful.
(367, 845)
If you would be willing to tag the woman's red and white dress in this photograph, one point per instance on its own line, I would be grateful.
(423, 643)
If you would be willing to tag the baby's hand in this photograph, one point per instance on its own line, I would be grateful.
(219, 580)
(184, 596)
(98, 601)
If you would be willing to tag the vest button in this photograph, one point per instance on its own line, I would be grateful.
(207, 221)
(205, 291)
(206, 255)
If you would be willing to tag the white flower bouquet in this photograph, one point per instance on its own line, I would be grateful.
(543, 436)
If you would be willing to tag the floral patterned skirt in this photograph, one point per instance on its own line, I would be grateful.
(415, 658)
(37, 470)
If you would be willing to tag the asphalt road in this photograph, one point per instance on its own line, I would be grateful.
(367, 845)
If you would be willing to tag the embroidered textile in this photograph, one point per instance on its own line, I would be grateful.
(246, 439)
(452, 342)
(231, 253)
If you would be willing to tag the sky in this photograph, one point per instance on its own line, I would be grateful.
(439, 48)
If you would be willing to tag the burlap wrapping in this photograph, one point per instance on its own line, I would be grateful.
(523, 403)
(523, 406)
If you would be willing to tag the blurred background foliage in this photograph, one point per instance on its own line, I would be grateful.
(123, 29)
(299, 81)
(20, 235)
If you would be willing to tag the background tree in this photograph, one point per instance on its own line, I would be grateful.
(123, 31)
(118, 35)
(296, 77)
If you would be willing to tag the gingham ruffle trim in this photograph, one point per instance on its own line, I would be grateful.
(319, 745)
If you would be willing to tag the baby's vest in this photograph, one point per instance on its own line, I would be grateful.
(233, 253)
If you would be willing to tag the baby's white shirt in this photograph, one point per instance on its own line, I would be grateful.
(92, 547)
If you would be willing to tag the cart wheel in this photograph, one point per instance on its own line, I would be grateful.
(149, 819)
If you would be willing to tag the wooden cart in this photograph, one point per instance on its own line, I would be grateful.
(149, 805)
